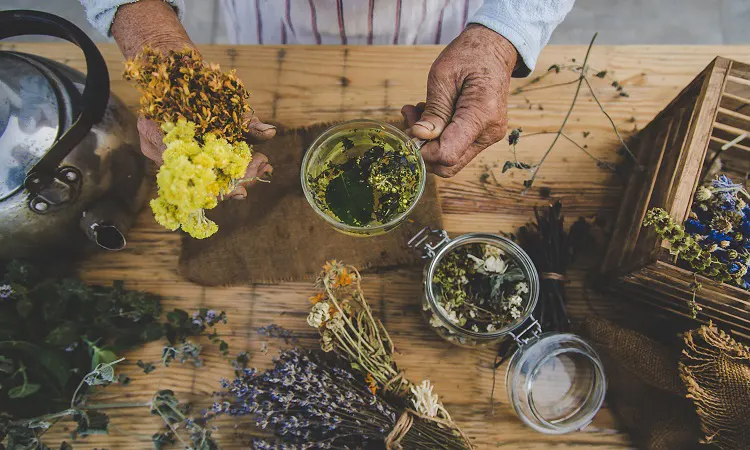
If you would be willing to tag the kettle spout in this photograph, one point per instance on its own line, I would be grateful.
(103, 224)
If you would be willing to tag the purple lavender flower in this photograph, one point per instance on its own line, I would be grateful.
(5, 291)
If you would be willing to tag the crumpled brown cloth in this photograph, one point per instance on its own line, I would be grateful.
(274, 234)
(671, 401)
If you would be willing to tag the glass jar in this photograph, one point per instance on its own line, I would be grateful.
(330, 146)
(555, 381)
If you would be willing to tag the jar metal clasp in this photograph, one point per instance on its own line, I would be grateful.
(427, 241)
(529, 332)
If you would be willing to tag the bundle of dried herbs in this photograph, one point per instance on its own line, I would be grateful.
(715, 239)
(313, 402)
(479, 288)
(553, 249)
(345, 322)
(367, 179)
(203, 113)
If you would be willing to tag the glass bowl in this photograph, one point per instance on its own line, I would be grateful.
(345, 141)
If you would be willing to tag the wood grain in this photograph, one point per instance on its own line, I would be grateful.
(299, 86)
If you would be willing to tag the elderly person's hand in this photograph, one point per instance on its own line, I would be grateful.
(467, 93)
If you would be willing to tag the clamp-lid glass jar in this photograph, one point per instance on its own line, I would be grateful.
(555, 381)
(363, 177)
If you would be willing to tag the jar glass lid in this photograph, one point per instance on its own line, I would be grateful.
(29, 120)
(556, 383)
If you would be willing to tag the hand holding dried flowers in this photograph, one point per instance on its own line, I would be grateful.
(344, 319)
(202, 111)
(715, 239)
(479, 288)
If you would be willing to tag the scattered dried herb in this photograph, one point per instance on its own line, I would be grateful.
(582, 71)
(59, 341)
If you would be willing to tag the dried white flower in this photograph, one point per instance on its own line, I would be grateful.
(475, 328)
(336, 322)
(491, 328)
(522, 287)
(491, 250)
(326, 341)
(515, 313)
(448, 313)
(492, 264)
(472, 314)
(424, 401)
(514, 300)
(318, 314)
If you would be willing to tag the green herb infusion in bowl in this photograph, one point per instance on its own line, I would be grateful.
(363, 177)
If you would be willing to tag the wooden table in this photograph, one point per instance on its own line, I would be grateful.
(299, 86)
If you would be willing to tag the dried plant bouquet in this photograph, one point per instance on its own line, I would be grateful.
(203, 113)
(347, 326)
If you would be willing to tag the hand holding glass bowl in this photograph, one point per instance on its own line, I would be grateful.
(363, 177)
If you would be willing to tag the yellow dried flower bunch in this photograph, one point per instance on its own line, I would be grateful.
(180, 84)
(202, 112)
(193, 176)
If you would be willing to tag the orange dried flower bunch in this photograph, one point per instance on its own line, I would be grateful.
(181, 85)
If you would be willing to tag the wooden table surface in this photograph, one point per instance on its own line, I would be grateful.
(298, 86)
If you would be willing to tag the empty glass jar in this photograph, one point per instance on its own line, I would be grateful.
(555, 381)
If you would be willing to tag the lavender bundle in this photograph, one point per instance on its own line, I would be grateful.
(310, 402)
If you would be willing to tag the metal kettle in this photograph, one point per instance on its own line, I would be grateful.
(70, 162)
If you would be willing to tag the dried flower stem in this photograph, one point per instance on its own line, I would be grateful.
(582, 71)
(530, 182)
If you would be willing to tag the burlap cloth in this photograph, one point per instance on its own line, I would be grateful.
(672, 399)
(274, 235)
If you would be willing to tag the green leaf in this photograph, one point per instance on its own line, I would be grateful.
(63, 334)
(24, 307)
(24, 390)
(351, 199)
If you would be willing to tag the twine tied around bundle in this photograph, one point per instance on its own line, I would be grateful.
(399, 431)
(552, 276)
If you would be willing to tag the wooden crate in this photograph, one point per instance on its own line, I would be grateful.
(675, 152)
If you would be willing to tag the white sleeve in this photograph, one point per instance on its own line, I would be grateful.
(101, 13)
(527, 24)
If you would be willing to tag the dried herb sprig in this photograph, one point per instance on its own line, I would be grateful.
(583, 71)
(181, 85)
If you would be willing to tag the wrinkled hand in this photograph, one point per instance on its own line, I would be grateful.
(152, 146)
(467, 93)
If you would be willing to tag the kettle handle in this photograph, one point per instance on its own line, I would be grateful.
(95, 94)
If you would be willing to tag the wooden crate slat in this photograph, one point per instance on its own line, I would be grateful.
(735, 103)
